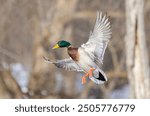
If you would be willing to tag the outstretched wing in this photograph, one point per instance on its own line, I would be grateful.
(98, 38)
(67, 64)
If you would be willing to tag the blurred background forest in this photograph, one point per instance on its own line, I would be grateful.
(30, 28)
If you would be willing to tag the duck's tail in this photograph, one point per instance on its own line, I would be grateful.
(99, 77)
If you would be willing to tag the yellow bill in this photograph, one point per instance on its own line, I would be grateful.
(56, 46)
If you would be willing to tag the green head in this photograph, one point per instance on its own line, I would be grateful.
(61, 44)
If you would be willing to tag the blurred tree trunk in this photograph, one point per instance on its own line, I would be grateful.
(49, 28)
(9, 87)
(136, 50)
(42, 81)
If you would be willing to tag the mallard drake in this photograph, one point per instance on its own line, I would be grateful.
(89, 57)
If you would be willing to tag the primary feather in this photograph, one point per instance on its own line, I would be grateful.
(67, 64)
(98, 38)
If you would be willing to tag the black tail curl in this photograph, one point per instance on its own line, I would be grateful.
(101, 77)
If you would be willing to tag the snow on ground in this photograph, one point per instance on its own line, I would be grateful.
(21, 75)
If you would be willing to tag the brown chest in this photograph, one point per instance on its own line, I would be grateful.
(73, 53)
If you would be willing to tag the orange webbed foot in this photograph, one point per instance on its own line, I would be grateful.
(91, 72)
(84, 78)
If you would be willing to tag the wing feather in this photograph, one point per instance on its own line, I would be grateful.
(67, 64)
(98, 38)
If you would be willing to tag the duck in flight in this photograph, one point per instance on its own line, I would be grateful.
(89, 57)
